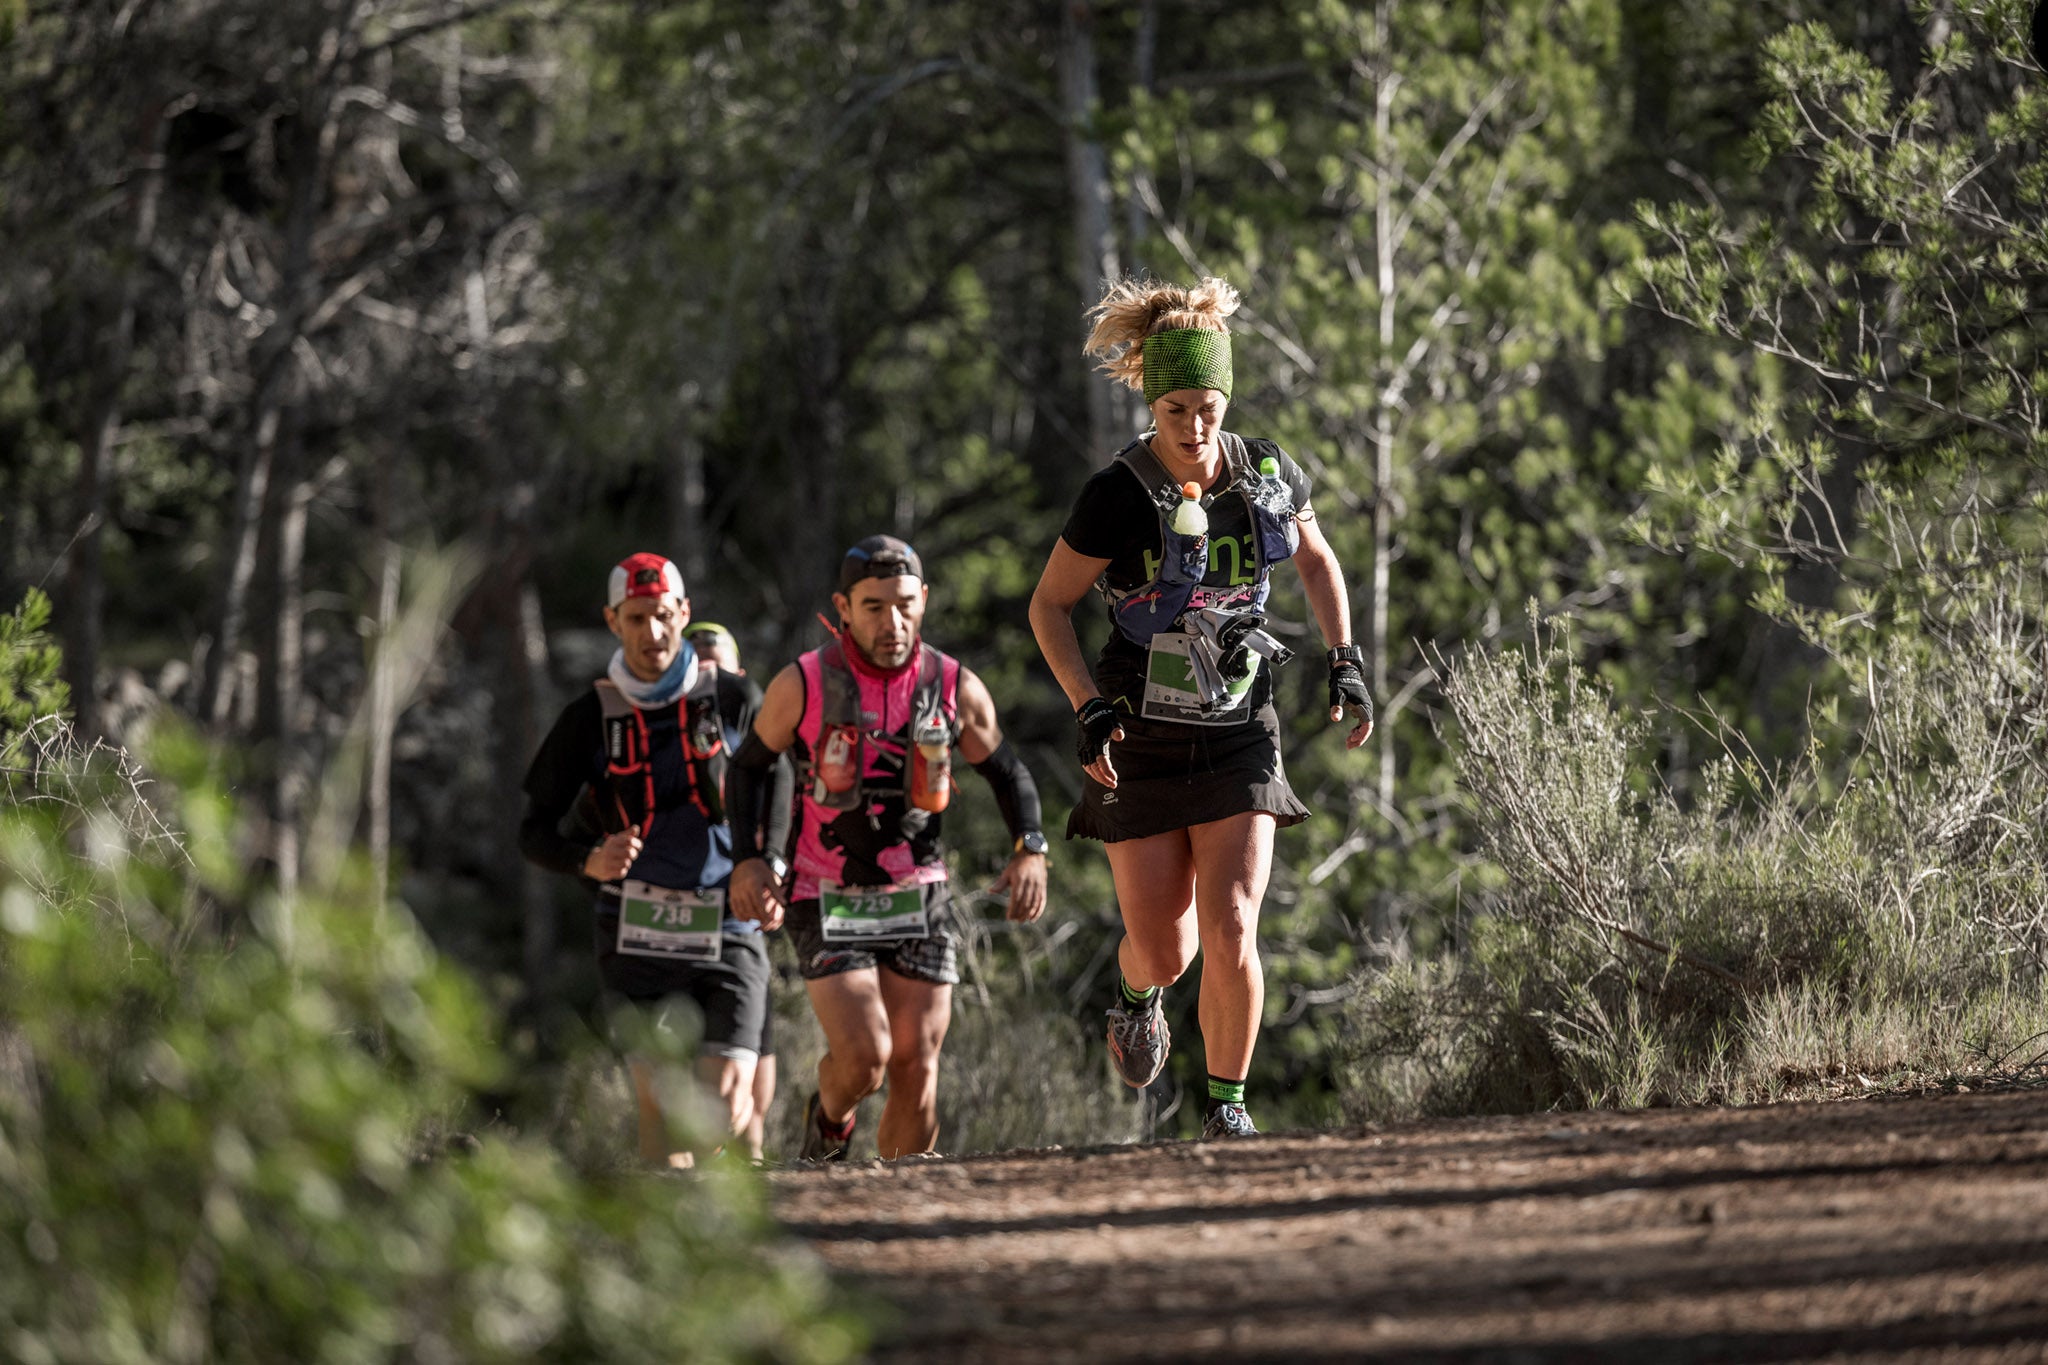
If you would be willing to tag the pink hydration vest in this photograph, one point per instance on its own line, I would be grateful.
(871, 843)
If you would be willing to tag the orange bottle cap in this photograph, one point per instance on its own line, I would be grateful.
(1191, 490)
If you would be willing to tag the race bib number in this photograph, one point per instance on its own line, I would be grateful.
(1170, 691)
(655, 921)
(854, 913)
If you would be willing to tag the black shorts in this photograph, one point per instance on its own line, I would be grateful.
(729, 998)
(935, 959)
(1172, 775)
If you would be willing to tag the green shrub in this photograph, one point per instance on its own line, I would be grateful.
(30, 690)
(258, 1146)
(1867, 910)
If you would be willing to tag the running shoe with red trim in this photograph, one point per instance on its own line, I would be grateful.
(1139, 1041)
(818, 1145)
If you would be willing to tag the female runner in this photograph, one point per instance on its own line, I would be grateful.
(1178, 735)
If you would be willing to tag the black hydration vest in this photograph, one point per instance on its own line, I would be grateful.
(629, 764)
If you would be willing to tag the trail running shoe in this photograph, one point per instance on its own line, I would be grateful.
(1138, 1042)
(1228, 1121)
(817, 1146)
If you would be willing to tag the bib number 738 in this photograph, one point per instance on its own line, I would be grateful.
(659, 921)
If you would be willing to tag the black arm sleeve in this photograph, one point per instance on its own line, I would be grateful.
(781, 807)
(1016, 793)
(755, 772)
(558, 776)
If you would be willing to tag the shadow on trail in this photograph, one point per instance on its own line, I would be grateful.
(931, 1322)
(2028, 1166)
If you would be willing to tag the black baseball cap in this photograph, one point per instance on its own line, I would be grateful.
(879, 557)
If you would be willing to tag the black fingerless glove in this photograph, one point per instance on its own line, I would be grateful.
(1347, 683)
(1097, 721)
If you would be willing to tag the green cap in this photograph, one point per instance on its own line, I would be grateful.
(1270, 467)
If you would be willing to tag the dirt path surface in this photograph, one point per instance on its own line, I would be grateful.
(1876, 1230)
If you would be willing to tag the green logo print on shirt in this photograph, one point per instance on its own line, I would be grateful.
(1244, 561)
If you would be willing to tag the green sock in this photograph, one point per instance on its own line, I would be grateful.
(1225, 1092)
(1134, 997)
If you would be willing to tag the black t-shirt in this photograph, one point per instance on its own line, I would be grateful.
(1115, 519)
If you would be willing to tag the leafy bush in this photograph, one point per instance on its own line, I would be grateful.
(1875, 907)
(29, 687)
(237, 1146)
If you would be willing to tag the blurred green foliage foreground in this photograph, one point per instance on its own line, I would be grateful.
(237, 1129)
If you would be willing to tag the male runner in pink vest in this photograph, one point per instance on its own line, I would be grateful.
(874, 719)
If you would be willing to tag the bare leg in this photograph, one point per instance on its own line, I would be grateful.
(919, 1014)
(764, 1099)
(1233, 858)
(1155, 888)
(857, 1044)
(654, 1143)
(731, 1079)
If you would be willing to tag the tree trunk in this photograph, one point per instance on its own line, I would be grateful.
(1383, 924)
(1383, 416)
(283, 710)
(85, 583)
(1144, 54)
(686, 497)
(1095, 255)
(312, 155)
(528, 695)
(383, 705)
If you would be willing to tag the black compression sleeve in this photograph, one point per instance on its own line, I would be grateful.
(569, 759)
(781, 807)
(543, 843)
(747, 780)
(1016, 793)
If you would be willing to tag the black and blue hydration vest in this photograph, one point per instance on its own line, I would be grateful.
(1143, 612)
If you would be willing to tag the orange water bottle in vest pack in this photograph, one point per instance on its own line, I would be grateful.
(931, 764)
(838, 766)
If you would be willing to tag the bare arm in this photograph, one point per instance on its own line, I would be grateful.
(1322, 579)
(980, 736)
(1068, 576)
(781, 708)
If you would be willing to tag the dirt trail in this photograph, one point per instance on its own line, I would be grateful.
(1876, 1230)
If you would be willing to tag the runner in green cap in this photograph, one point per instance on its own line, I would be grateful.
(716, 645)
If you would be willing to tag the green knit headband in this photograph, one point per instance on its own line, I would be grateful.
(1186, 358)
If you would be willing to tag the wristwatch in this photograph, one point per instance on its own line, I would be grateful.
(1031, 841)
(777, 864)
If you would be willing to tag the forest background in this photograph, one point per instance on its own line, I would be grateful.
(1669, 377)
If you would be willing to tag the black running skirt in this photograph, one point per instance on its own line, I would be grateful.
(1170, 776)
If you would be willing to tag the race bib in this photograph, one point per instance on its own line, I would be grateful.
(853, 913)
(655, 921)
(1170, 692)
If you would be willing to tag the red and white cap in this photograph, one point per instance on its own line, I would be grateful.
(643, 575)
